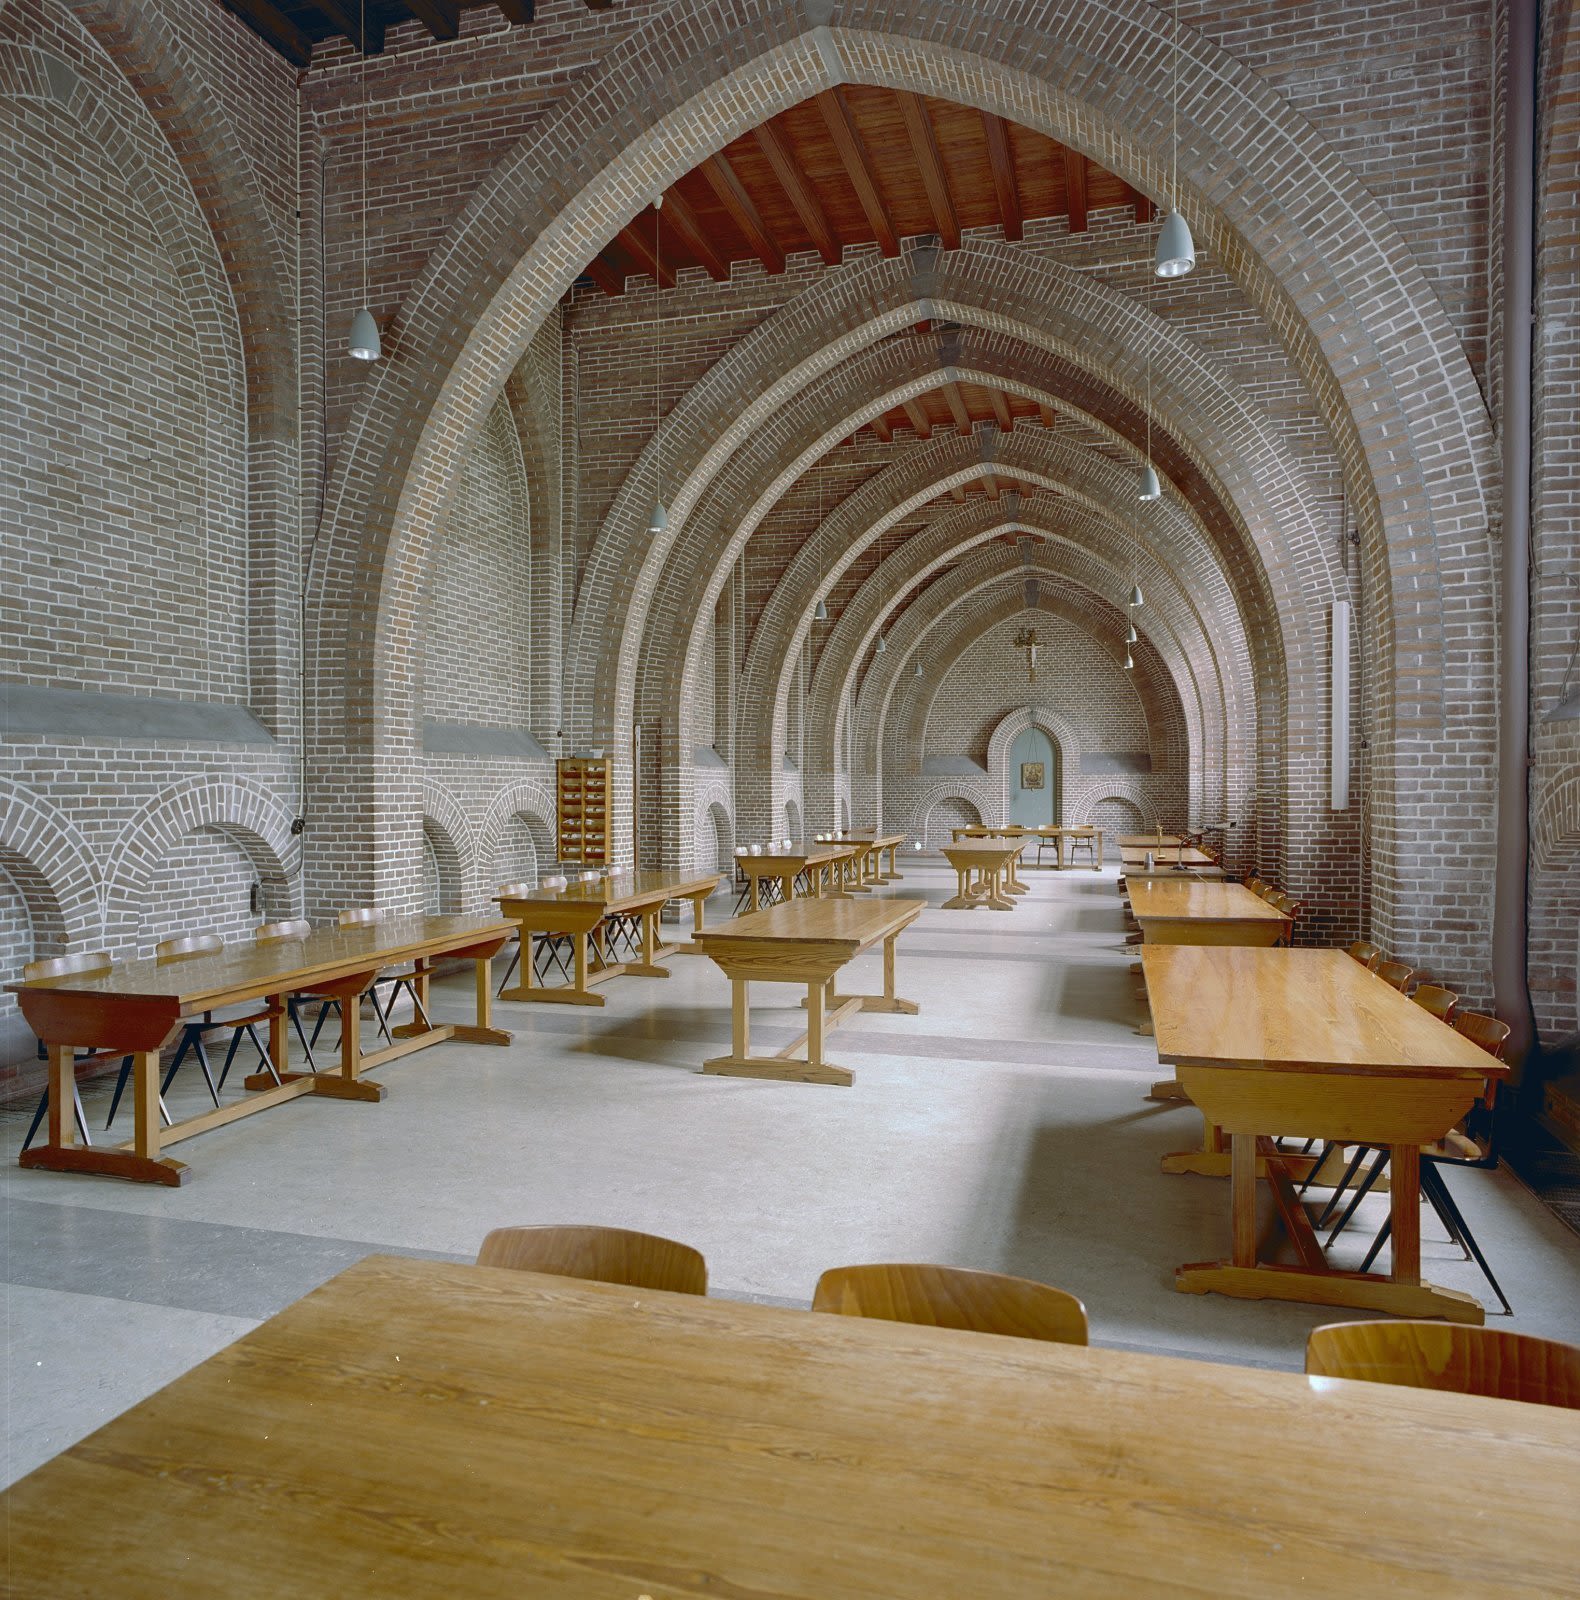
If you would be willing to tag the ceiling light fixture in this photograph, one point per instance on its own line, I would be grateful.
(364, 342)
(658, 518)
(1129, 662)
(918, 673)
(1135, 595)
(1131, 636)
(1176, 253)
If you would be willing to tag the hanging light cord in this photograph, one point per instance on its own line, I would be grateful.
(658, 350)
(362, 74)
(1174, 140)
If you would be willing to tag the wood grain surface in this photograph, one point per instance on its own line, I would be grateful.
(417, 1428)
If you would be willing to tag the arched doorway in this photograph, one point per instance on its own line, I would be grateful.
(1033, 779)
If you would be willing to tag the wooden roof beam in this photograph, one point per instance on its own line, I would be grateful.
(694, 236)
(957, 493)
(442, 18)
(1001, 412)
(919, 419)
(640, 251)
(744, 214)
(1003, 165)
(858, 167)
(930, 163)
(881, 426)
(1145, 210)
(346, 17)
(1075, 189)
(1045, 411)
(802, 196)
(518, 13)
(990, 483)
(957, 408)
(605, 276)
(272, 24)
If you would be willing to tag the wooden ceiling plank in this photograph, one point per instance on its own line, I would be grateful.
(990, 483)
(930, 163)
(346, 17)
(858, 167)
(273, 25)
(957, 408)
(919, 419)
(605, 276)
(799, 191)
(1001, 411)
(1075, 189)
(442, 18)
(958, 492)
(1046, 413)
(882, 427)
(1003, 165)
(744, 214)
(694, 236)
(1145, 210)
(631, 241)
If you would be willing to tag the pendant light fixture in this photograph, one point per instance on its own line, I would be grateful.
(658, 517)
(1131, 636)
(1135, 595)
(918, 673)
(1130, 664)
(363, 344)
(1176, 253)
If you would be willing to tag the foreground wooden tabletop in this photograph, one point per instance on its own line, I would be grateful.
(415, 1428)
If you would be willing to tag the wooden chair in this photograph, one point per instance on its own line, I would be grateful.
(550, 948)
(1491, 1034)
(1291, 908)
(604, 1255)
(61, 967)
(192, 947)
(953, 1297)
(1365, 952)
(1085, 840)
(1436, 999)
(1256, 885)
(1268, 892)
(1448, 1356)
(371, 916)
(295, 929)
(1396, 974)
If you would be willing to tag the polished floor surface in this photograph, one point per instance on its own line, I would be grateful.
(1003, 1128)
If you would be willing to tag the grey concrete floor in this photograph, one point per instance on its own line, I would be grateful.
(1003, 1128)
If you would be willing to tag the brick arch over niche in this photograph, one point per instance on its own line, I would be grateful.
(53, 867)
(1066, 740)
(1361, 324)
(530, 800)
(451, 846)
(242, 810)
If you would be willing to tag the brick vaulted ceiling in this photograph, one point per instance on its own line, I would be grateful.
(854, 166)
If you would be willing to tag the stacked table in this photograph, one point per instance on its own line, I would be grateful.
(984, 874)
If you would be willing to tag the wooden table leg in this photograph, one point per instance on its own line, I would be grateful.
(787, 887)
(740, 1019)
(62, 1095)
(483, 1031)
(753, 903)
(814, 1024)
(1242, 1198)
(1404, 1201)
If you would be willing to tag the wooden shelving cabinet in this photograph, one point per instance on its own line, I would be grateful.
(582, 794)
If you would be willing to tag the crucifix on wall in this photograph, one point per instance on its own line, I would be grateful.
(1027, 640)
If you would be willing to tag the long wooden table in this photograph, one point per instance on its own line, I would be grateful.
(1134, 859)
(1309, 1043)
(805, 941)
(1055, 833)
(1148, 841)
(136, 1008)
(984, 874)
(422, 1429)
(820, 863)
(1192, 912)
(877, 845)
(579, 909)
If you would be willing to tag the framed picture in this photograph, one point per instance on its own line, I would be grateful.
(1031, 774)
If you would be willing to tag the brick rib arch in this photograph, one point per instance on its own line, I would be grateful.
(1295, 228)
(59, 876)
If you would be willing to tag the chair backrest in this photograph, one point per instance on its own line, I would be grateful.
(1367, 953)
(1286, 903)
(1396, 974)
(1488, 1032)
(605, 1255)
(515, 891)
(1435, 998)
(188, 946)
(555, 881)
(1450, 1356)
(1269, 892)
(1255, 885)
(63, 966)
(274, 932)
(953, 1297)
(360, 916)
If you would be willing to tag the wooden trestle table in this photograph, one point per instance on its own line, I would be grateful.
(1191, 912)
(878, 845)
(819, 862)
(984, 874)
(805, 941)
(423, 1429)
(1309, 1043)
(1134, 859)
(136, 1008)
(1148, 841)
(578, 910)
(1056, 834)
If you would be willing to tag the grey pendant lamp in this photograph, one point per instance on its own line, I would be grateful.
(658, 517)
(363, 345)
(1131, 636)
(1130, 664)
(918, 673)
(1135, 595)
(1176, 252)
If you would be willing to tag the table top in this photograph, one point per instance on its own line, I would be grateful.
(1240, 1006)
(1148, 841)
(281, 965)
(1017, 830)
(811, 921)
(1187, 898)
(970, 850)
(806, 854)
(418, 1428)
(1136, 856)
(623, 892)
(880, 840)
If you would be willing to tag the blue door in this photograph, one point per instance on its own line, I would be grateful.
(1033, 806)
